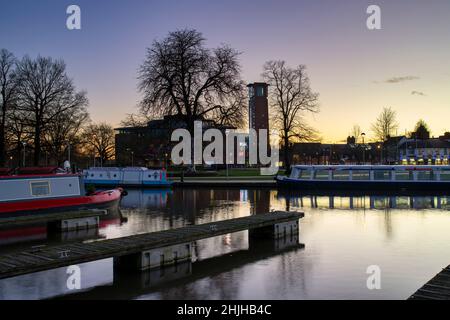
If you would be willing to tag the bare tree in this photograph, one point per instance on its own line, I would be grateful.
(100, 140)
(64, 132)
(291, 96)
(233, 112)
(17, 134)
(385, 125)
(356, 132)
(135, 120)
(8, 96)
(45, 92)
(180, 76)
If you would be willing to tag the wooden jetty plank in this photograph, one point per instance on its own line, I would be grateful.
(40, 257)
(7, 264)
(437, 288)
(68, 254)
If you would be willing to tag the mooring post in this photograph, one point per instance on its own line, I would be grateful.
(276, 231)
(155, 258)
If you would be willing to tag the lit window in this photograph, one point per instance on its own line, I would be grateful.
(403, 175)
(382, 175)
(321, 175)
(361, 175)
(341, 175)
(41, 188)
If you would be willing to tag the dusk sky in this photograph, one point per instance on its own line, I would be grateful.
(357, 72)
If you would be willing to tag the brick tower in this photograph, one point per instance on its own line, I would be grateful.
(258, 106)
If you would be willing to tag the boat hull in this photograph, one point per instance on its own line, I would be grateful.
(99, 200)
(396, 186)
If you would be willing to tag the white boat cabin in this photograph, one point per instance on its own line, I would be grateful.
(370, 173)
(124, 176)
(32, 187)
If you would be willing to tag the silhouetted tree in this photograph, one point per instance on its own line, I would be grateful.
(8, 96)
(180, 76)
(385, 125)
(100, 140)
(64, 132)
(135, 120)
(291, 95)
(356, 133)
(44, 93)
(421, 131)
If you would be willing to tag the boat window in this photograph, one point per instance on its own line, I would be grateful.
(445, 175)
(425, 175)
(341, 175)
(305, 175)
(39, 189)
(382, 175)
(361, 175)
(321, 175)
(404, 175)
(295, 173)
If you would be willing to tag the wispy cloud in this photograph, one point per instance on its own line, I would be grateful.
(401, 79)
(418, 93)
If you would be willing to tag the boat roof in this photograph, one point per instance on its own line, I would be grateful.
(122, 169)
(39, 170)
(370, 167)
(37, 176)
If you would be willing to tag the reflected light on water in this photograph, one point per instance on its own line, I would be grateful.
(407, 237)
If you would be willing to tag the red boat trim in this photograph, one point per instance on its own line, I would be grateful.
(97, 198)
(30, 176)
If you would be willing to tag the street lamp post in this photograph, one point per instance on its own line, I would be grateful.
(380, 146)
(166, 161)
(363, 135)
(68, 151)
(226, 158)
(132, 158)
(24, 153)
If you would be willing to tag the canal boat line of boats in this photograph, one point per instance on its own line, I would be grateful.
(365, 177)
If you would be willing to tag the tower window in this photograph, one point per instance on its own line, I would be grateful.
(260, 91)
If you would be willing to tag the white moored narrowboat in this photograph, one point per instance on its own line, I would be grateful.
(126, 177)
(363, 177)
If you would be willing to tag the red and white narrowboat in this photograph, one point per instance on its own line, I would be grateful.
(37, 190)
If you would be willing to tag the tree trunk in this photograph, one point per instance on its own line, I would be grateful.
(287, 162)
(2, 138)
(2, 146)
(37, 145)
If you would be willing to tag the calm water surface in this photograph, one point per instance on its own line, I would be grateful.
(340, 237)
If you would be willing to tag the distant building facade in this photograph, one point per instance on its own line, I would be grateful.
(150, 145)
(433, 151)
(395, 150)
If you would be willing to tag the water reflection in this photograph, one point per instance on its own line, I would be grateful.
(372, 202)
(406, 235)
(176, 277)
(36, 234)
